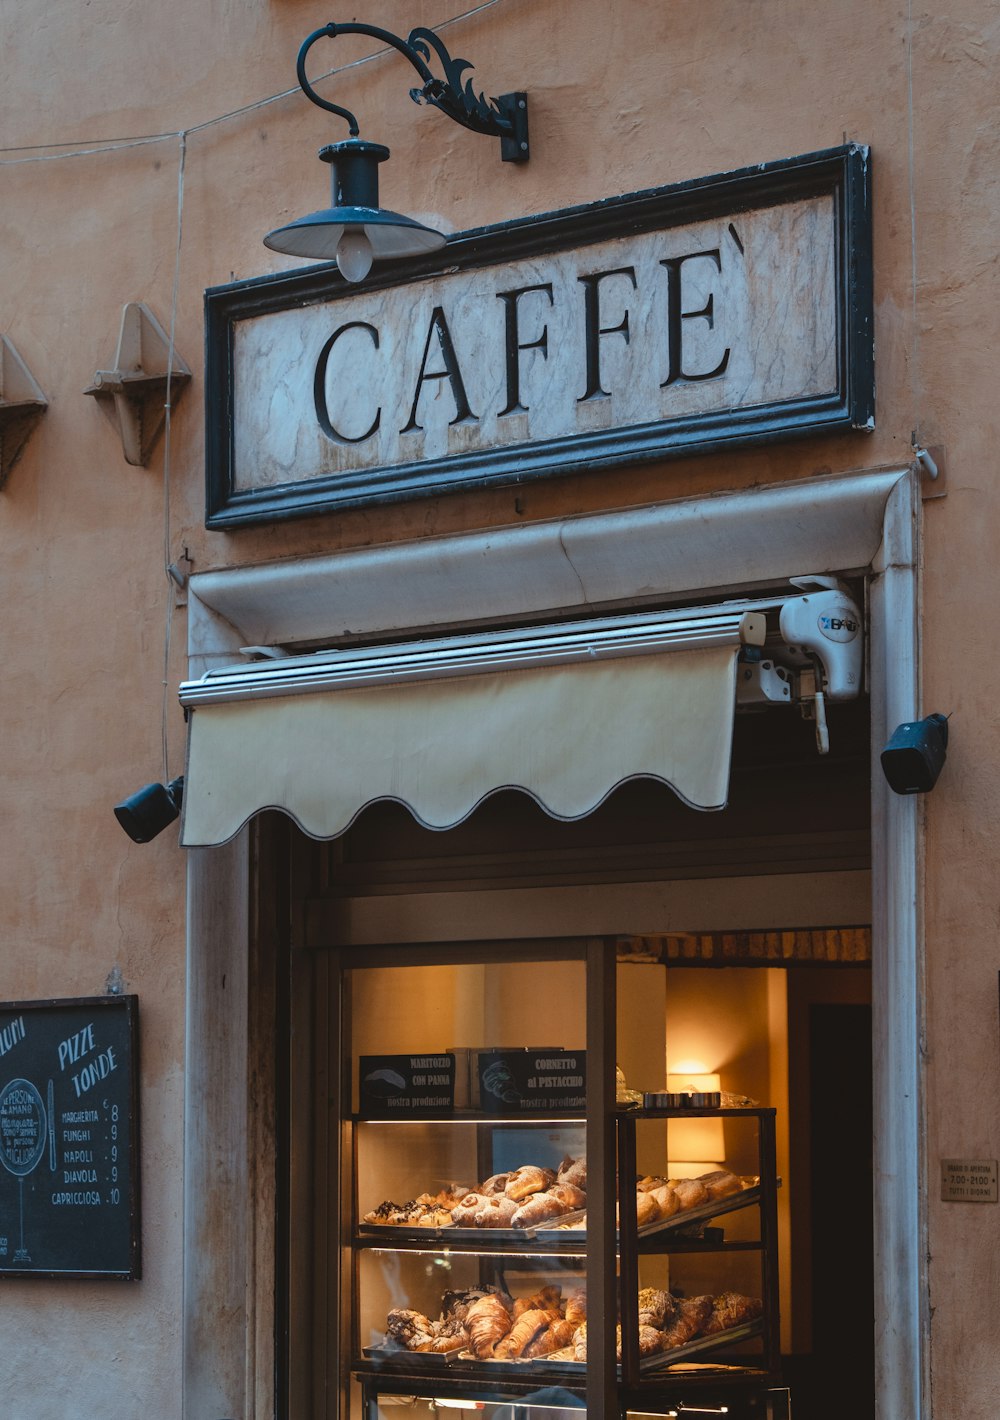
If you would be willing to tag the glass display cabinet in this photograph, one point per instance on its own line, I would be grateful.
(512, 1239)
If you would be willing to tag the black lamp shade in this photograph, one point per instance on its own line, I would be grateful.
(354, 183)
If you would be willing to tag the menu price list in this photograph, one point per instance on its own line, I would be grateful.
(69, 1138)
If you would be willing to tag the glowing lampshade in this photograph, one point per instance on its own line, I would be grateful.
(695, 1145)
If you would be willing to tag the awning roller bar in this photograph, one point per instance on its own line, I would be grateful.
(439, 658)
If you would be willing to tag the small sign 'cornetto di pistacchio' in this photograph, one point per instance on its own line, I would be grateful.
(969, 1180)
(529, 1081)
(69, 1138)
(399, 1085)
(704, 315)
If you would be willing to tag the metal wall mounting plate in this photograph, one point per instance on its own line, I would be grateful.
(22, 404)
(133, 395)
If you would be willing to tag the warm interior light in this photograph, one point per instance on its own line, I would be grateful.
(693, 1076)
(354, 254)
(691, 1142)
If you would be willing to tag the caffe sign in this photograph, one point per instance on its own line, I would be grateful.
(695, 317)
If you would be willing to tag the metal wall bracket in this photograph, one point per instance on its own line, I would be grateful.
(133, 395)
(933, 470)
(22, 404)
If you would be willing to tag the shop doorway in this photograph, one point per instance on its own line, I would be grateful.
(762, 874)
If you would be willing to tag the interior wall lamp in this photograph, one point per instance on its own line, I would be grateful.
(354, 230)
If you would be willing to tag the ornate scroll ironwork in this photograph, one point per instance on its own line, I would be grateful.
(505, 118)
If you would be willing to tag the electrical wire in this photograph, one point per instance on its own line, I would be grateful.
(41, 153)
(93, 146)
(916, 386)
(168, 420)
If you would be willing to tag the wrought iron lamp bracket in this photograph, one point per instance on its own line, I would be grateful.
(505, 118)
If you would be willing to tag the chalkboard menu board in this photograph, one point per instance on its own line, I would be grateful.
(69, 1138)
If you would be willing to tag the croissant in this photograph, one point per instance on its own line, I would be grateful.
(537, 1209)
(546, 1299)
(646, 1209)
(573, 1171)
(496, 1212)
(720, 1183)
(527, 1180)
(496, 1183)
(487, 1321)
(553, 1338)
(656, 1308)
(692, 1317)
(650, 1340)
(463, 1215)
(523, 1332)
(562, 1333)
(691, 1192)
(568, 1193)
(576, 1306)
(730, 1309)
(580, 1342)
(666, 1200)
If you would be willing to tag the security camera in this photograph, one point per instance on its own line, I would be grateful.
(915, 755)
(148, 812)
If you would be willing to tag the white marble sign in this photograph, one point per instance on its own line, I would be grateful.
(690, 335)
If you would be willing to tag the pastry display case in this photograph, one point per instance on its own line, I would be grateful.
(503, 1247)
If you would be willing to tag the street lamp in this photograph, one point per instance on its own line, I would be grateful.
(354, 230)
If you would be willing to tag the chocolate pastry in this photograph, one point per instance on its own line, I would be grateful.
(410, 1329)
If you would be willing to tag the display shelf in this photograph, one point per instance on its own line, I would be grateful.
(670, 1237)
(473, 1116)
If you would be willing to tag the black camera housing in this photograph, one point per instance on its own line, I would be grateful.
(915, 755)
(147, 812)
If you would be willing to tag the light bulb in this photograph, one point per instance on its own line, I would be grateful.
(354, 255)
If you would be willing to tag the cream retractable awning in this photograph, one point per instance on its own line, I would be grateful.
(564, 713)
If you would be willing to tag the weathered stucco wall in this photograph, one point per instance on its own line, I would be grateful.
(622, 97)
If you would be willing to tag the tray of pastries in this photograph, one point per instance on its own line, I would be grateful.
(520, 1204)
(673, 1328)
(537, 1203)
(674, 1203)
(488, 1326)
(482, 1324)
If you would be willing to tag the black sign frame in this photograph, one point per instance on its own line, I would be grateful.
(129, 1234)
(843, 172)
